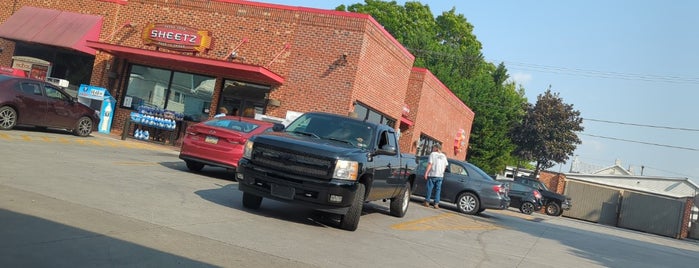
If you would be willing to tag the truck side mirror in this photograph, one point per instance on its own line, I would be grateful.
(386, 150)
(277, 127)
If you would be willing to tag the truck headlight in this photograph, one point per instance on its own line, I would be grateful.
(345, 170)
(247, 150)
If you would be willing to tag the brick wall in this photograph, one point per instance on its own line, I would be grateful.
(438, 113)
(686, 218)
(554, 181)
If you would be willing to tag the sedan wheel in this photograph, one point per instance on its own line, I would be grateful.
(527, 208)
(468, 203)
(8, 118)
(84, 127)
(194, 166)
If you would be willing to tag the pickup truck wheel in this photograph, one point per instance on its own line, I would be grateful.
(350, 221)
(194, 166)
(399, 204)
(553, 209)
(468, 203)
(527, 208)
(251, 201)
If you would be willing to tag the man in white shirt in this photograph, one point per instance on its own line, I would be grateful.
(434, 174)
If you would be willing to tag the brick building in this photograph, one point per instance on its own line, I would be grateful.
(273, 61)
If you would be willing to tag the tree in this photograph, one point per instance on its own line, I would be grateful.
(547, 133)
(447, 47)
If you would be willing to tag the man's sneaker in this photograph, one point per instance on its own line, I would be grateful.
(426, 204)
(436, 206)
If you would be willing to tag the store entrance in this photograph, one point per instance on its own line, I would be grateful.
(245, 99)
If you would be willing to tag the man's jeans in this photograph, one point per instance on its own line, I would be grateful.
(436, 183)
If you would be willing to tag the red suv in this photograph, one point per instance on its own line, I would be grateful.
(32, 102)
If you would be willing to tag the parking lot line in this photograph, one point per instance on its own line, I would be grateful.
(444, 222)
(81, 141)
(135, 163)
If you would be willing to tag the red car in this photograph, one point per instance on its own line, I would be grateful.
(219, 142)
(32, 102)
(12, 71)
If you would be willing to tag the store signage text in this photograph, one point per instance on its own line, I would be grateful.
(176, 37)
(91, 92)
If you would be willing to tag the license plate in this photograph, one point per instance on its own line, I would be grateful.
(285, 192)
(211, 139)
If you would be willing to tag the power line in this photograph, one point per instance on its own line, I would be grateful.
(666, 171)
(426, 53)
(603, 74)
(640, 125)
(642, 142)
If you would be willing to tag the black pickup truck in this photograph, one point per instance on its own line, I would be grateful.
(330, 163)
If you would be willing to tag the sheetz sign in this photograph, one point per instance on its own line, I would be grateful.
(176, 37)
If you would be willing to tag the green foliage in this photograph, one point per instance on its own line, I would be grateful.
(547, 134)
(447, 47)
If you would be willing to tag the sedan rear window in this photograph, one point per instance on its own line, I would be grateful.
(236, 125)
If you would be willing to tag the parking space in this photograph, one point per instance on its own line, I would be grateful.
(133, 203)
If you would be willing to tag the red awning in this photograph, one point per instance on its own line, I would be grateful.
(406, 121)
(245, 72)
(52, 27)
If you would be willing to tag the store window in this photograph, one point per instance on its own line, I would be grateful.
(76, 67)
(185, 93)
(425, 144)
(370, 115)
(243, 98)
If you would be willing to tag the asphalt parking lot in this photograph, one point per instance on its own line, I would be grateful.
(102, 202)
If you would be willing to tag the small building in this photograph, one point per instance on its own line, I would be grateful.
(658, 205)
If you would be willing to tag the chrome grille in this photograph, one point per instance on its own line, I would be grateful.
(293, 162)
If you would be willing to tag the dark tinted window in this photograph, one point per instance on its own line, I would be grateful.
(520, 187)
(30, 88)
(54, 93)
(476, 170)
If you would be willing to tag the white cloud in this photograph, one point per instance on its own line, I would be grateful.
(521, 78)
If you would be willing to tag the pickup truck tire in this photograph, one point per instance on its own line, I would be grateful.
(350, 220)
(251, 201)
(399, 204)
(468, 203)
(553, 209)
(527, 208)
(194, 166)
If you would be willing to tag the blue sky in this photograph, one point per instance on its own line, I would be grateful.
(625, 61)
